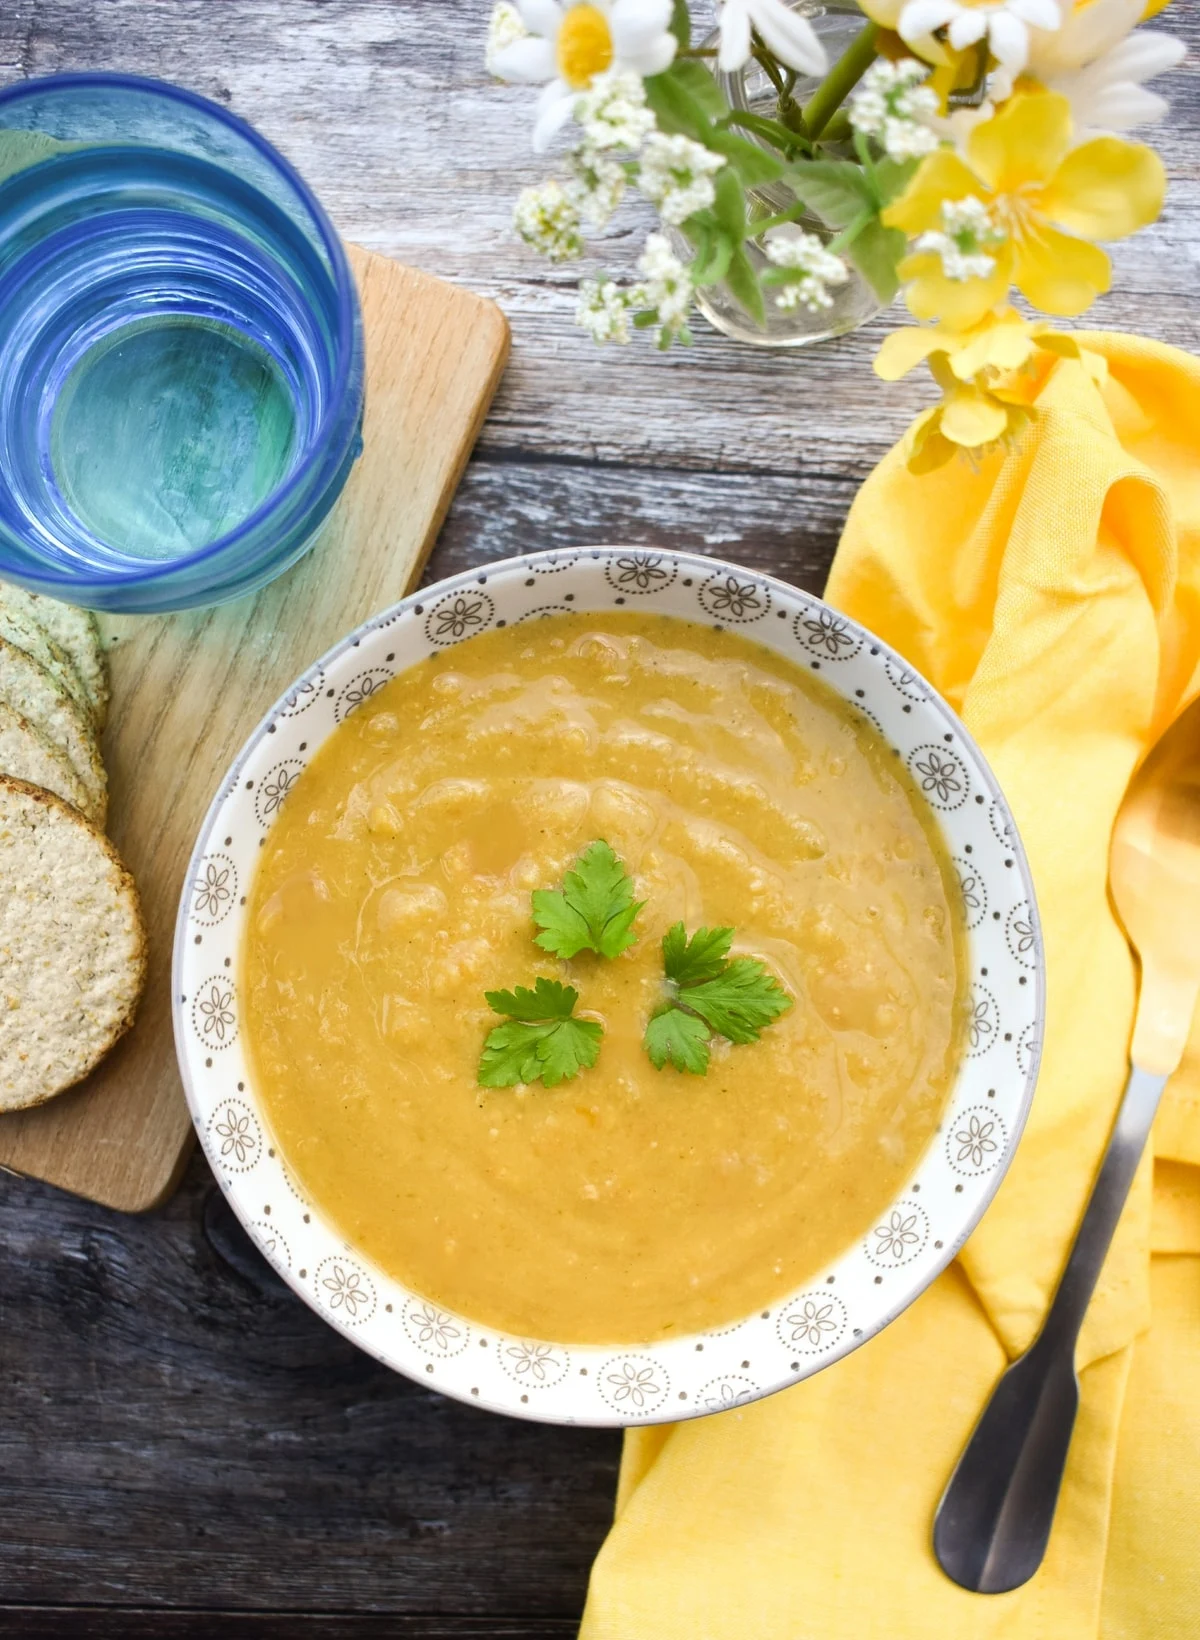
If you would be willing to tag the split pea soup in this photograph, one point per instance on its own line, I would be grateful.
(627, 1204)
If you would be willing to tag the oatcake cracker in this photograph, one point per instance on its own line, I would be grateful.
(27, 755)
(75, 633)
(72, 946)
(29, 690)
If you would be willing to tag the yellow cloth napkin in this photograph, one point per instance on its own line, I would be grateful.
(1053, 595)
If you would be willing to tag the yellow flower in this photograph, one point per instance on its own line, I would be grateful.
(999, 343)
(995, 217)
(988, 385)
(970, 421)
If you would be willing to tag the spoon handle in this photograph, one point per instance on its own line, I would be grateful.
(993, 1523)
(1131, 1129)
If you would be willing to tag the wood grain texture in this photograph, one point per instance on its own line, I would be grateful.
(410, 1507)
(178, 1429)
(188, 688)
(99, 1623)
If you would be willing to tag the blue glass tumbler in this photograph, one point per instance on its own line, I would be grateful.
(181, 357)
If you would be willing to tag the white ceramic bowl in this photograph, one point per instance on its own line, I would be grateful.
(873, 1280)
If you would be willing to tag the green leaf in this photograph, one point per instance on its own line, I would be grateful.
(702, 957)
(680, 1037)
(685, 99)
(593, 911)
(519, 1052)
(876, 252)
(549, 999)
(711, 265)
(711, 995)
(681, 24)
(835, 190)
(700, 86)
(739, 1002)
(739, 276)
(752, 163)
(729, 205)
(540, 1041)
(892, 177)
(570, 1047)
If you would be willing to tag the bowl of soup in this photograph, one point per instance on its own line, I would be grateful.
(657, 793)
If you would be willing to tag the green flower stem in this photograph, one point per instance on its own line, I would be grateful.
(840, 81)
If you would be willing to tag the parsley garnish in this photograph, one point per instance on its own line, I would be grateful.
(593, 911)
(541, 1041)
(709, 995)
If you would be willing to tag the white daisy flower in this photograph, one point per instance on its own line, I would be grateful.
(676, 174)
(667, 287)
(967, 238)
(571, 42)
(788, 246)
(784, 32)
(505, 28)
(603, 311)
(1100, 62)
(893, 105)
(597, 184)
(547, 218)
(1004, 24)
(612, 111)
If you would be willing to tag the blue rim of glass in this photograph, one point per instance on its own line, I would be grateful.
(344, 286)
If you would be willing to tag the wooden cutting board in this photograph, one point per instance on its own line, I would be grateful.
(188, 688)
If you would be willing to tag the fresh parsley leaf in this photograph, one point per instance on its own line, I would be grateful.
(702, 957)
(593, 911)
(740, 1002)
(680, 1037)
(549, 999)
(711, 995)
(541, 1041)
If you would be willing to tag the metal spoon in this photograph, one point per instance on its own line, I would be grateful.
(994, 1520)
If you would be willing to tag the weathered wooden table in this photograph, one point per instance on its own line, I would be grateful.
(185, 1450)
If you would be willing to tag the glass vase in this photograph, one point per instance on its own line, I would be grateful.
(854, 302)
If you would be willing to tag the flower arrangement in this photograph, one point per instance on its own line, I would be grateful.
(965, 153)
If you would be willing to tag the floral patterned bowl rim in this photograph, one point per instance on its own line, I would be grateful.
(873, 1280)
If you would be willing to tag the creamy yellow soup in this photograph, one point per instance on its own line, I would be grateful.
(629, 1203)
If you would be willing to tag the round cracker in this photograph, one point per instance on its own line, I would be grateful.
(21, 627)
(72, 946)
(27, 755)
(41, 700)
(76, 634)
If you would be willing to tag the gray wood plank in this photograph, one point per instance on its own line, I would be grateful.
(180, 1431)
(123, 1623)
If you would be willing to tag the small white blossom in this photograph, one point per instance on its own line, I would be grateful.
(892, 105)
(603, 310)
(788, 246)
(676, 175)
(667, 289)
(546, 218)
(596, 186)
(967, 238)
(505, 28)
(613, 111)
